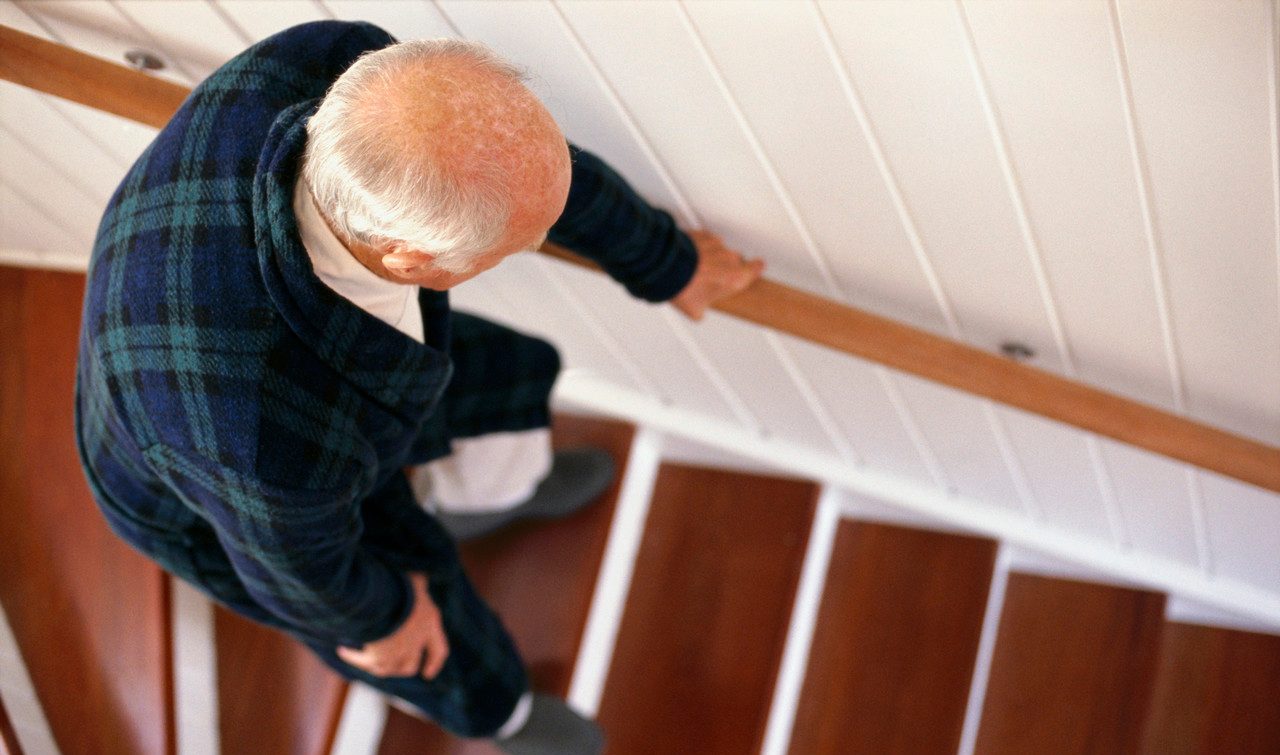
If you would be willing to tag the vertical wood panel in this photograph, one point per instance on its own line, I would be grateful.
(651, 344)
(1152, 493)
(819, 150)
(1214, 693)
(8, 737)
(89, 614)
(894, 649)
(854, 395)
(405, 19)
(704, 626)
(1202, 101)
(58, 199)
(539, 577)
(637, 44)
(909, 64)
(1072, 669)
(262, 18)
(971, 462)
(101, 29)
(23, 112)
(1244, 530)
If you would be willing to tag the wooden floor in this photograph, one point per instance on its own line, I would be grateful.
(1072, 669)
(703, 631)
(895, 643)
(89, 614)
(1216, 691)
(539, 577)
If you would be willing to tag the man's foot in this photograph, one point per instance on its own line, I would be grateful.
(578, 476)
(554, 728)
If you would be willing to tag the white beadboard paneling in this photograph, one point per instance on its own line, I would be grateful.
(957, 429)
(649, 341)
(120, 139)
(852, 393)
(32, 177)
(524, 285)
(1200, 74)
(262, 18)
(1052, 75)
(24, 226)
(99, 28)
(909, 62)
(27, 115)
(1152, 494)
(752, 367)
(115, 140)
(533, 36)
(1060, 473)
(405, 19)
(814, 140)
(647, 53)
(171, 23)
(1244, 531)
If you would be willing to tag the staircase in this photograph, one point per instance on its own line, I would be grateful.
(752, 613)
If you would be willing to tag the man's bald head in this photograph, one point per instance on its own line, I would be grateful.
(436, 146)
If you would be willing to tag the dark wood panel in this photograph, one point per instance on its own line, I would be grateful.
(8, 737)
(1072, 669)
(90, 615)
(895, 643)
(1215, 693)
(539, 577)
(274, 696)
(705, 624)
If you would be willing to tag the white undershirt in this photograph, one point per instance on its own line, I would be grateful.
(396, 304)
(483, 474)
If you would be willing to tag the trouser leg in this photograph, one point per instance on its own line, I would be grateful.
(482, 679)
(487, 473)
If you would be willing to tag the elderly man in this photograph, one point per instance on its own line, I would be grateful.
(267, 344)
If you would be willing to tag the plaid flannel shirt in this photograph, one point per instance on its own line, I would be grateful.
(244, 425)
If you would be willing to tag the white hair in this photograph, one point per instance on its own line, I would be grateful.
(377, 194)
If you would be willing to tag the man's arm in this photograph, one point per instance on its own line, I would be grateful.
(641, 246)
(297, 553)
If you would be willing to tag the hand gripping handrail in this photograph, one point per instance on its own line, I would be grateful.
(62, 71)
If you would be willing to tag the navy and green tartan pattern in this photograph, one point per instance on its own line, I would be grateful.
(482, 679)
(247, 427)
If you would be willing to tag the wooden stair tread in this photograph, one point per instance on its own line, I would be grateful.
(1214, 692)
(274, 696)
(540, 578)
(895, 642)
(89, 614)
(1072, 668)
(8, 737)
(706, 620)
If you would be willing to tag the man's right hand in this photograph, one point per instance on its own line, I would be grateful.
(721, 273)
(401, 653)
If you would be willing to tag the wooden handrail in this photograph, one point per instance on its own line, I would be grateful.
(59, 70)
(62, 71)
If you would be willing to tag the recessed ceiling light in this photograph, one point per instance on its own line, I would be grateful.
(1019, 352)
(143, 60)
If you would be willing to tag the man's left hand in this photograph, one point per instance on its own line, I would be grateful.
(721, 273)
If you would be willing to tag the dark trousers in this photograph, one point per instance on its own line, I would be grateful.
(482, 679)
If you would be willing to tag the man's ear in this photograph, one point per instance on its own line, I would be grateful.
(404, 261)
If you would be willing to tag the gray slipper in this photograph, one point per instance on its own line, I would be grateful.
(554, 728)
(578, 476)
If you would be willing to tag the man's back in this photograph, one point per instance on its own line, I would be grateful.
(220, 388)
